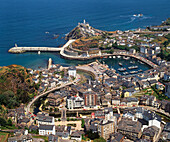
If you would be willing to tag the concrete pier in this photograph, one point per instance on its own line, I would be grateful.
(17, 49)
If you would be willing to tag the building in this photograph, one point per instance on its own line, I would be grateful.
(150, 133)
(143, 50)
(45, 120)
(75, 102)
(133, 51)
(116, 137)
(77, 135)
(90, 99)
(46, 130)
(130, 129)
(105, 128)
(167, 90)
(72, 71)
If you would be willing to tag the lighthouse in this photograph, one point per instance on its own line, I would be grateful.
(49, 63)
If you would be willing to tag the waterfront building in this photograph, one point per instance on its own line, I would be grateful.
(72, 71)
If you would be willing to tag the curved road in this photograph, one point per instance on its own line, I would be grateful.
(51, 90)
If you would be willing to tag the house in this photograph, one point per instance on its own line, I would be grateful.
(152, 118)
(72, 71)
(159, 86)
(143, 50)
(21, 138)
(116, 137)
(167, 76)
(63, 131)
(77, 135)
(45, 120)
(105, 128)
(167, 90)
(152, 82)
(52, 138)
(129, 128)
(116, 100)
(150, 133)
(129, 92)
(46, 129)
(133, 51)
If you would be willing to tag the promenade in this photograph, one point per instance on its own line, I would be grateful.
(127, 54)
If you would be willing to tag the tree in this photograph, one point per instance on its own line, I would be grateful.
(2, 121)
(99, 140)
(92, 135)
(9, 122)
(82, 123)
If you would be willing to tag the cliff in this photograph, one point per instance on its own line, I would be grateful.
(15, 85)
(74, 34)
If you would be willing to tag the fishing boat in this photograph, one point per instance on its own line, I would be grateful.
(120, 64)
(121, 69)
(125, 73)
(132, 72)
(140, 70)
(132, 62)
(132, 67)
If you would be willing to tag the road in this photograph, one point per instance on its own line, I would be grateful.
(47, 92)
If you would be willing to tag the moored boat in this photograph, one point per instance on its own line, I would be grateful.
(121, 69)
(132, 67)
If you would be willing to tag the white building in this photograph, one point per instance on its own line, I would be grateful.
(47, 130)
(72, 71)
(75, 102)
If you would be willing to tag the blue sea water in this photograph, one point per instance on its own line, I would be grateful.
(25, 22)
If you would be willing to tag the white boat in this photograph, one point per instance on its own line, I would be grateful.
(126, 58)
(110, 56)
(118, 56)
(121, 69)
(132, 67)
(47, 32)
(114, 57)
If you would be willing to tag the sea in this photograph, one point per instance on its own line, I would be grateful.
(37, 22)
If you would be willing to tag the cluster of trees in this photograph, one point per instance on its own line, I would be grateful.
(9, 100)
(165, 54)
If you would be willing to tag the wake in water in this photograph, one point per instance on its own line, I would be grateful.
(132, 19)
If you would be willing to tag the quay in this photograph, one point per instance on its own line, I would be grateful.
(17, 49)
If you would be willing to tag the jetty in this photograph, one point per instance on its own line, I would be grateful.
(17, 49)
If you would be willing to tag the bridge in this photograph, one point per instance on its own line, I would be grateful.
(49, 91)
(17, 49)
